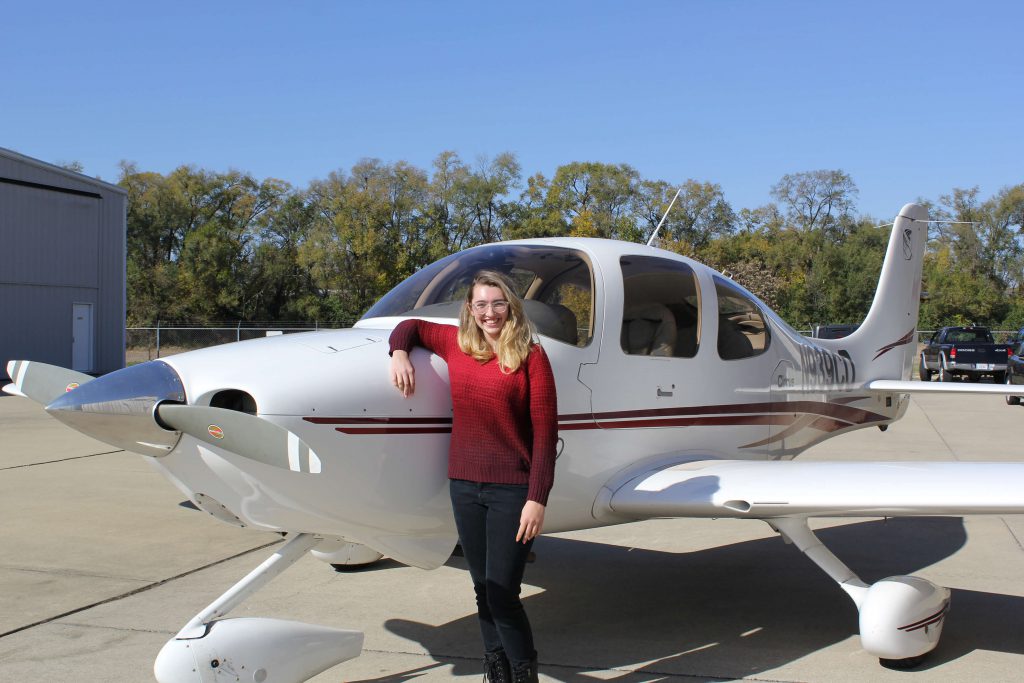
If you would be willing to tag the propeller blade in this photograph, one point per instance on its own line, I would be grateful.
(41, 382)
(247, 435)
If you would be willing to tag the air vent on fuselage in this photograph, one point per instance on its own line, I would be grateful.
(234, 399)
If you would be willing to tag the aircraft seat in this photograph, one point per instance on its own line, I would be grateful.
(552, 320)
(649, 329)
(733, 341)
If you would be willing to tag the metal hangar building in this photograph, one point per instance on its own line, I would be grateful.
(62, 267)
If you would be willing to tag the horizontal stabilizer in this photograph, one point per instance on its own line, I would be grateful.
(911, 387)
(241, 433)
(42, 382)
(765, 489)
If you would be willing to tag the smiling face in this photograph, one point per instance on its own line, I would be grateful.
(490, 310)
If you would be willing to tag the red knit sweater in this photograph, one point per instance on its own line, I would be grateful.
(504, 427)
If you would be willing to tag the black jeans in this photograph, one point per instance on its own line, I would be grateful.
(487, 517)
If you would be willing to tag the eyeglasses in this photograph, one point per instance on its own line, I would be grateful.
(496, 306)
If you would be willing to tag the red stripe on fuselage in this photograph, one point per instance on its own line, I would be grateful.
(378, 420)
(833, 416)
(393, 430)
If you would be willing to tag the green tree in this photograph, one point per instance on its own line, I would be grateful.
(368, 235)
(817, 200)
(597, 200)
(700, 214)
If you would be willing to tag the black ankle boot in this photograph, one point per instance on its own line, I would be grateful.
(525, 673)
(496, 667)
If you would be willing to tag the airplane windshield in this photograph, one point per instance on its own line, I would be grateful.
(556, 286)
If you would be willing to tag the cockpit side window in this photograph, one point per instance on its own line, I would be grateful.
(742, 331)
(661, 308)
(556, 285)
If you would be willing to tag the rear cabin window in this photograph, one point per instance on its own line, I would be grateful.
(742, 331)
(967, 336)
(661, 308)
(556, 286)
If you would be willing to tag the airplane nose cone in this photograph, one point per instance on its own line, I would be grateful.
(118, 408)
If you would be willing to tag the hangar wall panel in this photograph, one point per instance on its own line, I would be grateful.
(56, 235)
(62, 242)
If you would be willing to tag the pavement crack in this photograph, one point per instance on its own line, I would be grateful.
(51, 462)
(75, 573)
(1013, 533)
(117, 628)
(136, 591)
(939, 433)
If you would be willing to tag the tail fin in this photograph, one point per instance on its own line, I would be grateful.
(885, 345)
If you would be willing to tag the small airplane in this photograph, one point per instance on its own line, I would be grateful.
(680, 394)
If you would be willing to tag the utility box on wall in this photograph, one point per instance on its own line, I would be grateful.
(62, 267)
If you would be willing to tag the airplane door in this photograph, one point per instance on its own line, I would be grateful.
(686, 358)
(649, 370)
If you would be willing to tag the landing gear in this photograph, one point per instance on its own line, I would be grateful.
(901, 617)
(344, 556)
(254, 648)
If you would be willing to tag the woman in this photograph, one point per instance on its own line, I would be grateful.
(501, 461)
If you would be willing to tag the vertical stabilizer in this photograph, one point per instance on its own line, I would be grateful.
(885, 345)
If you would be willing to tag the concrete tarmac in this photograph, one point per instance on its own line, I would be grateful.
(102, 564)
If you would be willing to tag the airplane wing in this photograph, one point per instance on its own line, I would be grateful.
(911, 387)
(767, 489)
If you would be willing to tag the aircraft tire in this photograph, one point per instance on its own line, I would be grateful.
(349, 568)
(901, 664)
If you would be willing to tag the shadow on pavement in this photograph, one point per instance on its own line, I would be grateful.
(724, 612)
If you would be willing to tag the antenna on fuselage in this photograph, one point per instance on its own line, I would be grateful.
(650, 242)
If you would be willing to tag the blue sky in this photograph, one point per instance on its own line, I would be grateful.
(910, 98)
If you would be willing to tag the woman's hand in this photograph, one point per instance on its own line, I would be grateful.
(531, 521)
(402, 373)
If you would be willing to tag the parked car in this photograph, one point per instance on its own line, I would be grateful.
(832, 331)
(1015, 370)
(964, 352)
(1016, 338)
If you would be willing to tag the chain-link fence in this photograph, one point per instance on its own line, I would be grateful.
(165, 339)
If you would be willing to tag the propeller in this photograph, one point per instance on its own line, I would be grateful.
(41, 382)
(247, 435)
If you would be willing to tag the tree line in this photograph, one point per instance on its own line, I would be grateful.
(209, 246)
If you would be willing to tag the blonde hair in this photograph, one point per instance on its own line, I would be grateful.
(516, 336)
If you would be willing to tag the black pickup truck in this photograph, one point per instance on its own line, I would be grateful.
(964, 351)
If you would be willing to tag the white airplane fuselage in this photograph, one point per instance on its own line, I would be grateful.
(383, 458)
